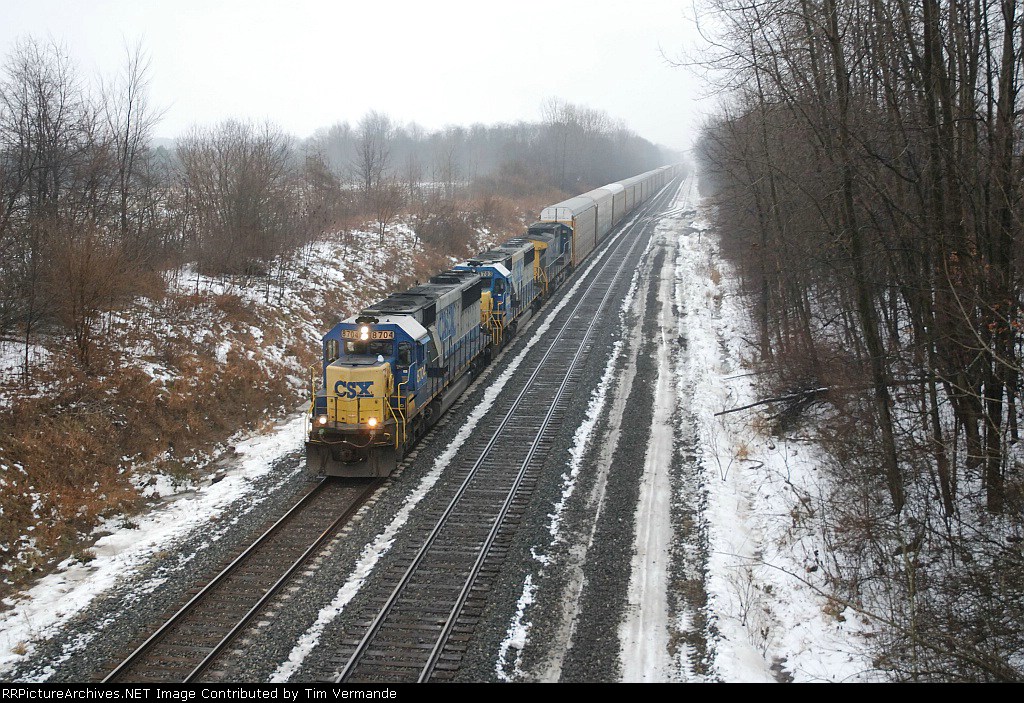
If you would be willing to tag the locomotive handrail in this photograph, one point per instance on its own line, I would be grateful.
(312, 387)
(402, 405)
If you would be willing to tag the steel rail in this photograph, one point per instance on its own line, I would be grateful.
(225, 573)
(285, 577)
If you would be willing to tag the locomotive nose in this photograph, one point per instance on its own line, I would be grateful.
(358, 394)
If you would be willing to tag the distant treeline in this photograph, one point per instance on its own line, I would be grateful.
(90, 210)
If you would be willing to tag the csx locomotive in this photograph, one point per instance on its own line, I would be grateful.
(392, 370)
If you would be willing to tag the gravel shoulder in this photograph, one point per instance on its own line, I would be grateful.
(565, 597)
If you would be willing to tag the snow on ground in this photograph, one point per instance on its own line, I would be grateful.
(12, 358)
(766, 595)
(56, 598)
(644, 632)
(335, 264)
(517, 637)
(352, 253)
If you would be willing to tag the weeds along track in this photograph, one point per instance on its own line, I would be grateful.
(425, 603)
(191, 642)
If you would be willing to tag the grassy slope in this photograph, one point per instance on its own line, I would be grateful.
(175, 379)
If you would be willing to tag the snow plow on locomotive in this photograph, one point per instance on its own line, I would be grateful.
(391, 371)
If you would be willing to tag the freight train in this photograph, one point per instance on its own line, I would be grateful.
(391, 371)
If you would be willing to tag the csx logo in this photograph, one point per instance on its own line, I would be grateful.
(353, 389)
(446, 322)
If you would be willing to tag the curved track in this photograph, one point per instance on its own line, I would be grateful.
(192, 641)
(420, 628)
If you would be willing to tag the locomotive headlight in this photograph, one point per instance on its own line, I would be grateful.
(372, 422)
(322, 420)
(364, 333)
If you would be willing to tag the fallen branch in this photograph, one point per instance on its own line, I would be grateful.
(802, 395)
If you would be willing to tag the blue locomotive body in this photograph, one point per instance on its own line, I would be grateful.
(391, 371)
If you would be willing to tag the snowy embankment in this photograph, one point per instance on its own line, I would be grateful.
(128, 546)
(277, 317)
(767, 597)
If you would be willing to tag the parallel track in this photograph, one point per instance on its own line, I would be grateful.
(420, 630)
(191, 642)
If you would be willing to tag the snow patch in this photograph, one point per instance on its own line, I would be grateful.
(517, 637)
(55, 599)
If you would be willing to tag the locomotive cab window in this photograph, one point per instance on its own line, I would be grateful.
(499, 285)
(375, 348)
(404, 355)
(332, 350)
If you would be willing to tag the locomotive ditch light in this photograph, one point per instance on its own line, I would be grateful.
(372, 422)
(322, 420)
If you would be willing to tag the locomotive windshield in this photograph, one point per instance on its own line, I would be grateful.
(373, 348)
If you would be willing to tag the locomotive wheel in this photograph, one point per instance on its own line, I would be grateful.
(432, 413)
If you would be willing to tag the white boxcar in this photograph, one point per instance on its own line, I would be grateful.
(602, 198)
(595, 213)
(580, 213)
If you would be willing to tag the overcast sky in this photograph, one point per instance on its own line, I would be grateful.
(306, 64)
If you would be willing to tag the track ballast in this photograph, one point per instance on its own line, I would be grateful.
(190, 643)
(423, 609)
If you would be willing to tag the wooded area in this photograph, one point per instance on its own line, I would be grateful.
(90, 210)
(163, 296)
(868, 177)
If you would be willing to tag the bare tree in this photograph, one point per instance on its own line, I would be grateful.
(45, 124)
(337, 145)
(373, 151)
(869, 178)
(447, 169)
(322, 196)
(45, 133)
(386, 199)
(129, 121)
(237, 177)
(93, 276)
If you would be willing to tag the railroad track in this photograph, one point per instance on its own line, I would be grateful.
(194, 639)
(420, 630)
